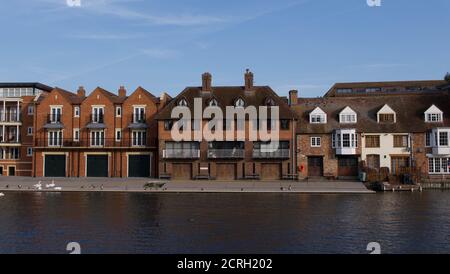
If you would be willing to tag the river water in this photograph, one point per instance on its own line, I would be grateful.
(224, 223)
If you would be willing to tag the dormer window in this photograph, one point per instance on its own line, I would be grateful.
(239, 103)
(213, 103)
(347, 116)
(318, 116)
(386, 115)
(433, 115)
(182, 103)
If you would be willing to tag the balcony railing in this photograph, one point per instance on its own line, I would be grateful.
(138, 118)
(54, 118)
(97, 118)
(181, 153)
(225, 153)
(10, 140)
(277, 154)
(9, 117)
(89, 143)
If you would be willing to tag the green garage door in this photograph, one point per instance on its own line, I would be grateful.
(55, 166)
(139, 166)
(97, 166)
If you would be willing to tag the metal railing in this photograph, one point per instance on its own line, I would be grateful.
(97, 118)
(277, 154)
(181, 153)
(54, 118)
(90, 142)
(225, 153)
(10, 139)
(9, 117)
(138, 118)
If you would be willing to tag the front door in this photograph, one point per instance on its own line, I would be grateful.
(315, 166)
(398, 165)
(12, 171)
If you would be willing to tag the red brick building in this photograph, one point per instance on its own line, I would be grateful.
(17, 111)
(226, 160)
(99, 135)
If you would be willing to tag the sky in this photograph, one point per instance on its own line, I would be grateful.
(166, 45)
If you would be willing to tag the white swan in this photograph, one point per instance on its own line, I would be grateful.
(38, 185)
(1, 194)
(50, 185)
(57, 188)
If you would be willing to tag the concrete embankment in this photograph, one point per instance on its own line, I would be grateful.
(151, 185)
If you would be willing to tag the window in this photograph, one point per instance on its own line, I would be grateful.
(284, 124)
(76, 134)
(369, 90)
(315, 141)
(400, 140)
(30, 110)
(118, 111)
(29, 151)
(373, 161)
(317, 119)
(239, 103)
(54, 138)
(348, 118)
(14, 153)
(168, 124)
(344, 90)
(55, 114)
(76, 111)
(138, 115)
(439, 165)
(97, 114)
(139, 138)
(29, 131)
(434, 117)
(387, 118)
(372, 141)
(443, 138)
(97, 138)
(428, 136)
(345, 140)
(118, 134)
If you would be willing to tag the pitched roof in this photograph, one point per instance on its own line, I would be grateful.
(147, 93)
(409, 110)
(111, 96)
(226, 96)
(26, 85)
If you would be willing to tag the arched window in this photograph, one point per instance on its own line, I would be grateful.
(239, 103)
(182, 103)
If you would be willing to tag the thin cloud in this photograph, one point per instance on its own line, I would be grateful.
(160, 53)
(95, 36)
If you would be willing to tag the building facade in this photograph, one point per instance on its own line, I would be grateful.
(387, 128)
(226, 159)
(17, 111)
(99, 135)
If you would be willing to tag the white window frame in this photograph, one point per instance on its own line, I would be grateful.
(138, 112)
(139, 138)
(55, 138)
(97, 138)
(438, 165)
(76, 111)
(55, 111)
(29, 151)
(318, 119)
(32, 110)
(434, 115)
(96, 113)
(118, 111)
(76, 134)
(30, 131)
(316, 141)
(118, 130)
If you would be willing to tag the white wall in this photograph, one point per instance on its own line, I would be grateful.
(385, 150)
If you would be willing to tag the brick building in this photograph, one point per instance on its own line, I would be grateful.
(16, 126)
(370, 126)
(227, 160)
(99, 135)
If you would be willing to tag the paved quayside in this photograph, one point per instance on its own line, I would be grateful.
(152, 185)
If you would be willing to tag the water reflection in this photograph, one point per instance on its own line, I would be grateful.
(224, 223)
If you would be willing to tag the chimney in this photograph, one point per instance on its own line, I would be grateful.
(206, 81)
(81, 92)
(248, 80)
(122, 91)
(293, 97)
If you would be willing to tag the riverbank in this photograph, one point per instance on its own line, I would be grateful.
(151, 185)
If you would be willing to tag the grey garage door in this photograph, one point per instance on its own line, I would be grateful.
(139, 166)
(55, 166)
(97, 166)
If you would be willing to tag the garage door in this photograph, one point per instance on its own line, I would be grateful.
(226, 172)
(97, 166)
(55, 166)
(139, 166)
(270, 171)
(181, 172)
(315, 166)
(348, 166)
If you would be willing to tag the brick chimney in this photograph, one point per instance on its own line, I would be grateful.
(248, 80)
(81, 92)
(206, 81)
(293, 97)
(122, 91)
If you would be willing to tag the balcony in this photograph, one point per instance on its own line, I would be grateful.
(138, 118)
(226, 153)
(181, 153)
(89, 143)
(97, 118)
(10, 140)
(277, 154)
(9, 117)
(54, 118)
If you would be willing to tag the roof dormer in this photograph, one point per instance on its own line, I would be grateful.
(434, 115)
(347, 116)
(318, 116)
(386, 115)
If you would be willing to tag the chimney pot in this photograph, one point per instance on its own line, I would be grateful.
(81, 92)
(122, 91)
(206, 81)
(293, 97)
(248, 79)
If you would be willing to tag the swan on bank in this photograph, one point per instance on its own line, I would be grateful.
(1, 194)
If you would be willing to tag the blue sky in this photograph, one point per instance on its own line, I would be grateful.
(166, 45)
